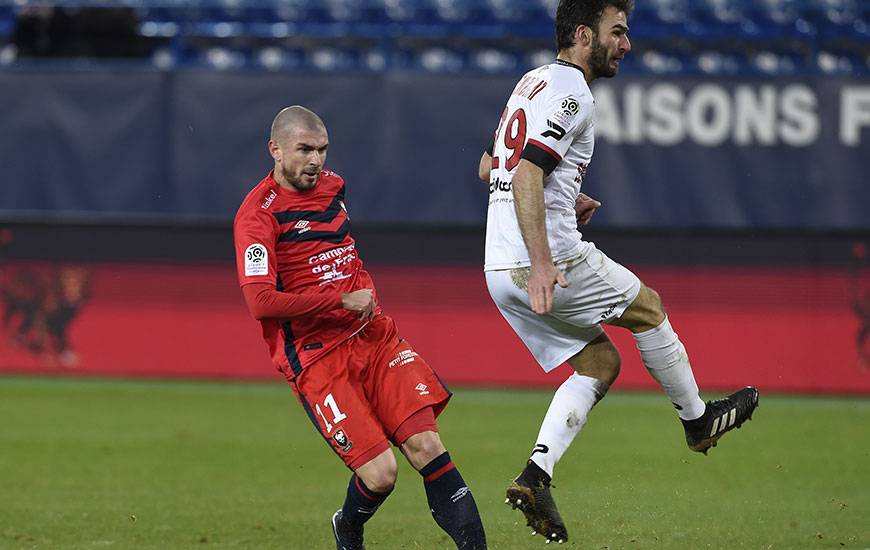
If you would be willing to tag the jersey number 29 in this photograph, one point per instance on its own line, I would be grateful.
(514, 138)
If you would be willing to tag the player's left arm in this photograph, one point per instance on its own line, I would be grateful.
(584, 207)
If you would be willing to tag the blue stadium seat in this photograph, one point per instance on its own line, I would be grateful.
(660, 20)
(775, 63)
(333, 59)
(343, 10)
(323, 31)
(454, 11)
(375, 60)
(836, 64)
(164, 29)
(528, 19)
(715, 37)
(299, 11)
(277, 59)
(661, 62)
(719, 19)
(839, 20)
(273, 29)
(164, 14)
(438, 60)
(214, 29)
(495, 61)
(222, 58)
(405, 11)
(719, 64)
(537, 58)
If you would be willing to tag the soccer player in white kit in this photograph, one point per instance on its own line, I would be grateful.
(556, 289)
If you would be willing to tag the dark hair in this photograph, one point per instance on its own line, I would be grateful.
(572, 13)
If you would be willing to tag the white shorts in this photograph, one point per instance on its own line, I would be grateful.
(599, 290)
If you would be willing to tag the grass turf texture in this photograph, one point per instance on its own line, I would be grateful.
(124, 464)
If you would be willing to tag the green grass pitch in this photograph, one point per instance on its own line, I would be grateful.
(136, 464)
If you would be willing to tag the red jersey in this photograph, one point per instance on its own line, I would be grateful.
(299, 242)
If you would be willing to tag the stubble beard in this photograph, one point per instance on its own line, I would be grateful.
(298, 182)
(599, 61)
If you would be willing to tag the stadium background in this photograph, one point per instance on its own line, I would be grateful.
(731, 159)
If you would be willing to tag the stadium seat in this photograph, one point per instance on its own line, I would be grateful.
(715, 37)
(718, 63)
(162, 29)
(402, 11)
(537, 58)
(495, 61)
(277, 59)
(332, 59)
(438, 60)
(832, 64)
(214, 29)
(659, 62)
(222, 58)
(775, 63)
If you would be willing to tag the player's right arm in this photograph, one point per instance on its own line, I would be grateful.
(264, 302)
(528, 190)
(485, 166)
(255, 233)
(544, 143)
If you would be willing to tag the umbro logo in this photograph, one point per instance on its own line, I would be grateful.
(302, 226)
(722, 423)
(422, 388)
(459, 494)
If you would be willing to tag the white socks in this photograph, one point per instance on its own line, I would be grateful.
(665, 358)
(566, 415)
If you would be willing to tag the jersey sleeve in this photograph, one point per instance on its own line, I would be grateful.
(560, 118)
(254, 234)
(264, 302)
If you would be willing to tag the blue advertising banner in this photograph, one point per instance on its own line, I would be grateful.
(677, 152)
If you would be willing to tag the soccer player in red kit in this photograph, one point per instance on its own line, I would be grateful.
(362, 385)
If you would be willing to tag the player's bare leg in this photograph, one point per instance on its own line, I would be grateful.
(597, 366)
(450, 500)
(664, 356)
(369, 486)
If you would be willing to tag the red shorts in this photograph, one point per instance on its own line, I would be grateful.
(361, 391)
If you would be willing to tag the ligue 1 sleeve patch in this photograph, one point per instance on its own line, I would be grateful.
(569, 109)
(256, 260)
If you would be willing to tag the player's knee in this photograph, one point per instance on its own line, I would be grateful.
(380, 474)
(600, 360)
(423, 448)
(645, 313)
(654, 301)
(611, 361)
(608, 362)
(383, 479)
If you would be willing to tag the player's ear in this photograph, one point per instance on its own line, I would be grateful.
(583, 35)
(275, 150)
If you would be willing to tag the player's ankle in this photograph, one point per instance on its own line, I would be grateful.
(532, 475)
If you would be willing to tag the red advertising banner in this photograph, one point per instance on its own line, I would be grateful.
(783, 329)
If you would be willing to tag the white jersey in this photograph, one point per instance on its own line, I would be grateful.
(548, 121)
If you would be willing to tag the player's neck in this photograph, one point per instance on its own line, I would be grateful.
(572, 57)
